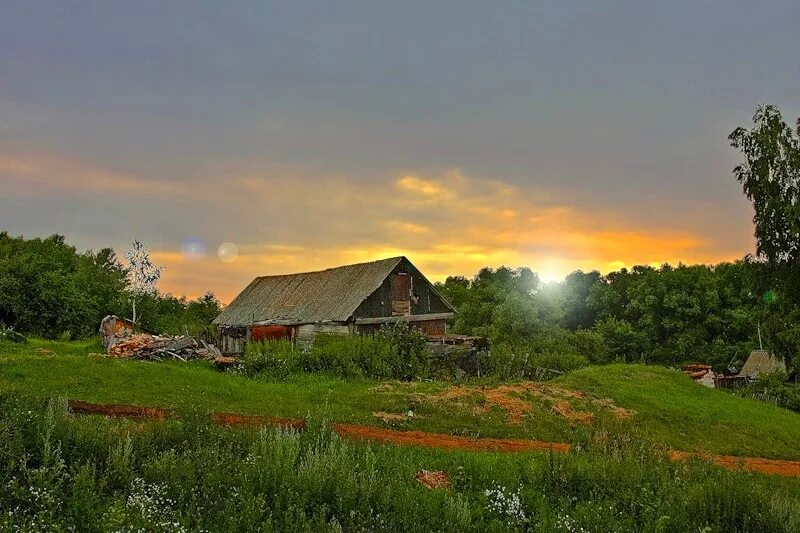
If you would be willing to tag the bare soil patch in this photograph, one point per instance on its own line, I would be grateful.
(441, 440)
(433, 479)
(517, 401)
(135, 412)
(760, 465)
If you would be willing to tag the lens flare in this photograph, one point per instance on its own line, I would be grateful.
(193, 248)
(227, 252)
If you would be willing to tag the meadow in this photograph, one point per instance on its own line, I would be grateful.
(61, 472)
(661, 405)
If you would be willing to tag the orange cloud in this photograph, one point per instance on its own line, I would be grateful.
(459, 226)
(34, 172)
(285, 219)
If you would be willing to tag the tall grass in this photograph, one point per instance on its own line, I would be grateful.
(59, 472)
(397, 351)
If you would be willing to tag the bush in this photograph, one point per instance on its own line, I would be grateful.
(275, 358)
(409, 350)
(773, 388)
(529, 360)
(8, 334)
(349, 356)
(591, 345)
(397, 351)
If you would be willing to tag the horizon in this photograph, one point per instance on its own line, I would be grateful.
(298, 138)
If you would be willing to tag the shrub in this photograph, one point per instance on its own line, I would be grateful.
(529, 360)
(591, 345)
(349, 356)
(773, 388)
(409, 350)
(276, 358)
(397, 351)
(8, 334)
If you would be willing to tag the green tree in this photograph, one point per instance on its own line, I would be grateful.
(770, 176)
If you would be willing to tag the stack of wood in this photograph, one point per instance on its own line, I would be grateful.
(121, 339)
(158, 348)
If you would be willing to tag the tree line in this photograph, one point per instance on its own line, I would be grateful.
(706, 313)
(667, 315)
(49, 289)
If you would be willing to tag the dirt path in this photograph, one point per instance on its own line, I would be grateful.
(432, 440)
(441, 440)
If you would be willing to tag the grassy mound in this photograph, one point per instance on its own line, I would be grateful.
(680, 413)
(662, 406)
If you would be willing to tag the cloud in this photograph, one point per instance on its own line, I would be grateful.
(35, 172)
(447, 223)
(285, 219)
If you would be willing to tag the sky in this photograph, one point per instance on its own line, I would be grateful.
(239, 139)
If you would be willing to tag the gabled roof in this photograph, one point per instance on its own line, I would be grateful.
(327, 295)
(762, 362)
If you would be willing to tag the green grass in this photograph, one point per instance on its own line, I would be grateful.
(66, 473)
(682, 414)
(669, 408)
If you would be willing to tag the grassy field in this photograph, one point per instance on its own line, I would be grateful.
(660, 405)
(88, 473)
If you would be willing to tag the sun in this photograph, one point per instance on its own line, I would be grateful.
(550, 269)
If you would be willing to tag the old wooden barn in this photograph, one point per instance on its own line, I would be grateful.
(349, 299)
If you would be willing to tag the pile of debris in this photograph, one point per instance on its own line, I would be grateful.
(122, 338)
(700, 373)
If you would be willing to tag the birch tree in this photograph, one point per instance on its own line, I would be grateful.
(142, 274)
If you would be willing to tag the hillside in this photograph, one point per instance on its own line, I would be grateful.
(673, 409)
(657, 404)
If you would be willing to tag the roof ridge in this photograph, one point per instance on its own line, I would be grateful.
(387, 259)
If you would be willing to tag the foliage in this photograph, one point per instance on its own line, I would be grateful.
(770, 176)
(528, 362)
(141, 273)
(665, 315)
(59, 472)
(395, 351)
(48, 289)
(409, 358)
(773, 388)
(8, 334)
(274, 358)
(177, 316)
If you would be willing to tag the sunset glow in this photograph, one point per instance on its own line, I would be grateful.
(235, 147)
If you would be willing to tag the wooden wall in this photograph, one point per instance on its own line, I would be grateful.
(305, 334)
(379, 303)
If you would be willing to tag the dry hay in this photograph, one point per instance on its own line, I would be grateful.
(390, 417)
(44, 351)
(565, 410)
(515, 402)
(433, 479)
(383, 387)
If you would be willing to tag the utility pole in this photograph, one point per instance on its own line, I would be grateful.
(760, 346)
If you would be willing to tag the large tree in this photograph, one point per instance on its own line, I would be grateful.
(770, 176)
